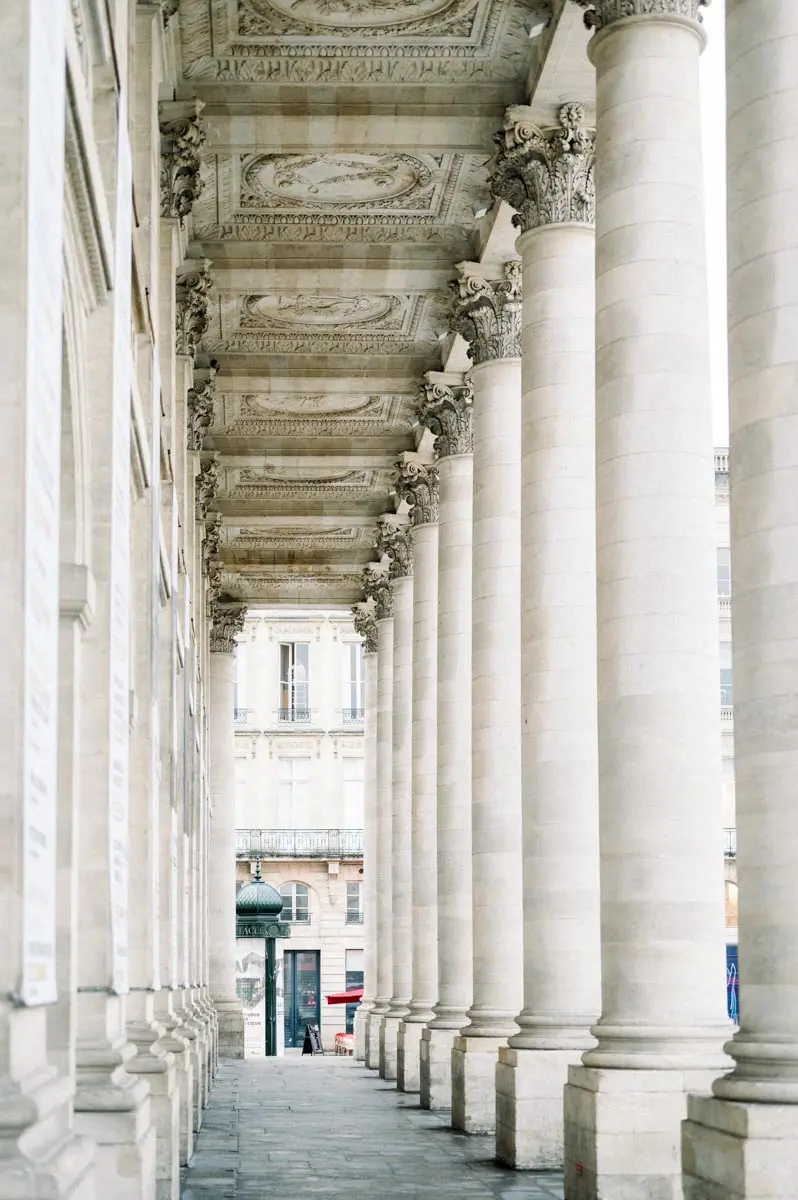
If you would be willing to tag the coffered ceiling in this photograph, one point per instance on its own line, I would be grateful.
(345, 172)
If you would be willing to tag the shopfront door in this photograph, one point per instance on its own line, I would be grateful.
(302, 993)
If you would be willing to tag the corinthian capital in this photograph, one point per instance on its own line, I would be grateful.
(377, 588)
(395, 539)
(227, 621)
(182, 138)
(206, 485)
(488, 312)
(193, 285)
(446, 413)
(200, 406)
(546, 175)
(418, 485)
(600, 13)
(365, 623)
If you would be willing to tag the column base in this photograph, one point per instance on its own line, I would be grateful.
(622, 1131)
(389, 1030)
(43, 1157)
(435, 1067)
(408, 1042)
(361, 1025)
(231, 1028)
(117, 1114)
(156, 1065)
(529, 1117)
(193, 1031)
(373, 1041)
(179, 1045)
(739, 1151)
(474, 1083)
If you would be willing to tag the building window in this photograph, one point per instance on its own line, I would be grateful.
(293, 793)
(726, 688)
(354, 683)
(354, 903)
(724, 571)
(296, 903)
(294, 681)
(352, 770)
(354, 962)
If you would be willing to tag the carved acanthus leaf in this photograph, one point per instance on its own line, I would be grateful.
(377, 587)
(193, 285)
(365, 623)
(546, 175)
(227, 621)
(446, 413)
(487, 313)
(182, 138)
(396, 540)
(600, 13)
(418, 486)
(200, 414)
(211, 558)
(206, 485)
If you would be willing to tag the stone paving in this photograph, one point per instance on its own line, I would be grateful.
(297, 1128)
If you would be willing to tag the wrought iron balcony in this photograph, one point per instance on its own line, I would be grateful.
(299, 843)
(730, 843)
(352, 716)
(241, 716)
(354, 917)
(294, 716)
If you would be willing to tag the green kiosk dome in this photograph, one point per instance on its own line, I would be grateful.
(258, 901)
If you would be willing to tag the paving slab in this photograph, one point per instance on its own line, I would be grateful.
(301, 1127)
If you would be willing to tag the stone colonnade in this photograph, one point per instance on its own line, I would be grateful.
(118, 975)
(577, 699)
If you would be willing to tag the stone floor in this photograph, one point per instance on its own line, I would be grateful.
(298, 1127)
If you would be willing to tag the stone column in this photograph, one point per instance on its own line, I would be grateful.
(744, 1140)
(228, 620)
(663, 1013)
(488, 315)
(420, 490)
(366, 625)
(383, 612)
(399, 545)
(447, 414)
(547, 176)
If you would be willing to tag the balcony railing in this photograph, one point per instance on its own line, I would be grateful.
(299, 843)
(352, 716)
(294, 716)
(241, 716)
(354, 917)
(730, 843)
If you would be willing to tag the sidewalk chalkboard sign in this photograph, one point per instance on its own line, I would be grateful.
(312, 1043)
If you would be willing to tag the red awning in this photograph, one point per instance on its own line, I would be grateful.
(351, 997)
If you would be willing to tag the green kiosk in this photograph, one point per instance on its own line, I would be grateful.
(259, 967)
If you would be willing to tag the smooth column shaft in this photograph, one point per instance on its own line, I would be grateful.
(562, 970)
(369, 853)
(384, 854)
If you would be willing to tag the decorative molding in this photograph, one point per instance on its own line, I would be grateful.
(601, 13)
(446, 412)
(277, 583)
(294, 482)
(302, 537)
(193, 284)
(211, 559)
(363, 19)
(274, 342)
(200, 410)
(227, 621)
(182, 138)
(487, 313)
(396, 541)
(365, 623)
(342, 227)
(418, 487)
(546, 175)
(377, 587)
(206, 485)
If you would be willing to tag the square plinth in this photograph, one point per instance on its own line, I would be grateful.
(529, 1106)
(473, 1083)
(735, 1151)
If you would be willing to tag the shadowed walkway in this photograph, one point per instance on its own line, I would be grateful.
(303, 1127)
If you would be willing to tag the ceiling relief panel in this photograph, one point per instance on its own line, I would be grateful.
(304, 483)
(313, 416)
(365, 197)
(290, 538)
(324, 312)
(289, 41)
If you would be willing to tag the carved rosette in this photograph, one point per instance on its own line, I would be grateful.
(487, 313)
(446, 413)
(182, 138)
(227, 620)
(200, 414)
(546, 175)
(206, 486)
(365, 623)
(418, 485)
(194, 282)
(601, 13)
